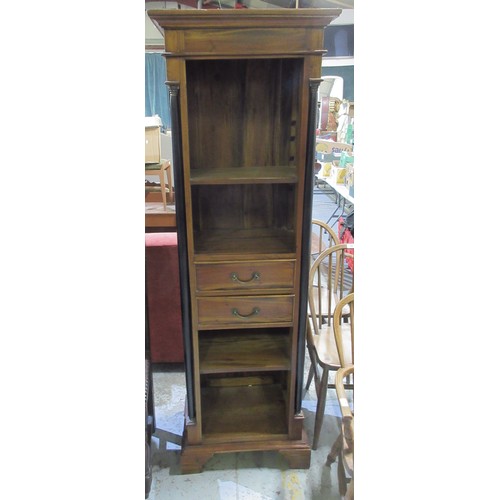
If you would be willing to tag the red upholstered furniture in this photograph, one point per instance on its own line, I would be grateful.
(346, 237)
(150, 426)
(163, 298)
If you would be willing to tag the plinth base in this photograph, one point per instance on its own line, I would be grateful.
(296, 453)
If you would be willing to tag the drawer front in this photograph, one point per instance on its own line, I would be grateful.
(245, 275)
(259, 39)
(229, 312)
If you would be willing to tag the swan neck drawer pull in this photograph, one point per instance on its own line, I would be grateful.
(255, 312)
(255, 277)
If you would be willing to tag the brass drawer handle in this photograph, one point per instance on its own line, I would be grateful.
(255, 312)
(255, 277)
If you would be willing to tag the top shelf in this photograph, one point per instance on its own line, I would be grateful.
(244, 175)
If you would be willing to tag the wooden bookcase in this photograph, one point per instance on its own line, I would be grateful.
(243, 93)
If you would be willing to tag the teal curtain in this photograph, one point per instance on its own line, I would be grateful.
(347, 73)
(156, 90)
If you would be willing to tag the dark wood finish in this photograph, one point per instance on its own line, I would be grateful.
(250, 242)
(182, 242)
(246, 175)
(297, 453)
(245, 276)
(252, 412)
(286, 19)
(245, 135)
(306, 237)
(234, 351)
(236, 311)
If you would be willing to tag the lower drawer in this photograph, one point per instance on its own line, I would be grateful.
(230, 312)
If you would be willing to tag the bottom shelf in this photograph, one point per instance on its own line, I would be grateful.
(243, 412)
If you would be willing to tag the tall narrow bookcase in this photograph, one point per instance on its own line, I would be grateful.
(243, 97)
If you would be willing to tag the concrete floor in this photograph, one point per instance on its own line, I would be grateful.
(240, 476)
(237, 476)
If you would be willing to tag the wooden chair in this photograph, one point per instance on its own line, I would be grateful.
(343, 447)
(160, 169)
(154, 163)
(330, 329)
(322, 236)
(331, 281)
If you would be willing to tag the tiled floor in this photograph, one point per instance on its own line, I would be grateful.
(240, 476)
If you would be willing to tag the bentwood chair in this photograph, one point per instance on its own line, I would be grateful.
(330, 329)
(333, 276)
(343, 447)
(322, 236)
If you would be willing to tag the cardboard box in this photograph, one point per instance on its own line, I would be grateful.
(152, 147)
(338, 174)
(349, 179)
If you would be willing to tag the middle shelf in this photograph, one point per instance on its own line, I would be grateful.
(244, 175)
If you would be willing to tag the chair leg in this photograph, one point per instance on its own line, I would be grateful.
(341, 477)
(335, 451)
(336, 454)
(310, 376)
(163, 189)
(312, 371)
(320, 409)
(170, 196)
(350, 490)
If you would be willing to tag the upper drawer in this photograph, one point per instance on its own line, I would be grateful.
(245, 275)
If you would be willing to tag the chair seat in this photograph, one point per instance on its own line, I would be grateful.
(325, 346)
(155, 188)
(154, 166)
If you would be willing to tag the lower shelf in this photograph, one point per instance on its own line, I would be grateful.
(243, 413)
(233, 351)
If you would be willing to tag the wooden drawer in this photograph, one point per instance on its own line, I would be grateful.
(245, 275)
(230, 312)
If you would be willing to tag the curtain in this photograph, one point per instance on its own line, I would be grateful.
(345, 72)
(339, 40)
(156, 90)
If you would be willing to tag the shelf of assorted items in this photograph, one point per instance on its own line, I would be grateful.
(335, 164)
